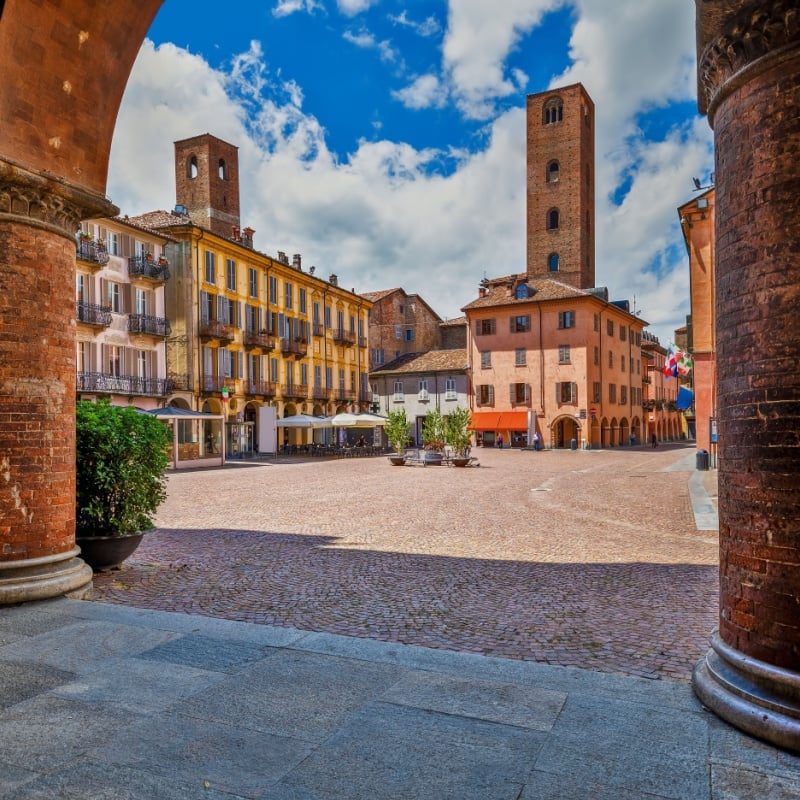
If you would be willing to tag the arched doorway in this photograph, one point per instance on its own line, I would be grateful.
(566, 430)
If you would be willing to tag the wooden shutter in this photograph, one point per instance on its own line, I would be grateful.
(204, 306)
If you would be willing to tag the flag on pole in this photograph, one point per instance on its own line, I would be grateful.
(684, 398)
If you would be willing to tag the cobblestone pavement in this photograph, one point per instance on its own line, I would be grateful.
(577, 558)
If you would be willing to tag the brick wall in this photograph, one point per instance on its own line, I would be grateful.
(37, 393)
(758, 331)
(570, 142)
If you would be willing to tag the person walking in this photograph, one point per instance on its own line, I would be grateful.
(654, 440)
(537, 441)
(500, 440)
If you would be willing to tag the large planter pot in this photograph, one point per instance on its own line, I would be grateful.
(432, 458)
(103, 553)
(397, 459)
(460, 462)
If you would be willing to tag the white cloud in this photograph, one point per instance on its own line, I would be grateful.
(352, 7)
(367, 41)
(479, 37)
(428, 27)
(283, 8)
(426, 91)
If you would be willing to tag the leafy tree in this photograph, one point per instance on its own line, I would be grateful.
(396, 429)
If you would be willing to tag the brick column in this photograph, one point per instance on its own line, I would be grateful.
(38, 219)
(749, 76)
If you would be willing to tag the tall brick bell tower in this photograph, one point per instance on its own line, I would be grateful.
(560, 223)
(207, 183)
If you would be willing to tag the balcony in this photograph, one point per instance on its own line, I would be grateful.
(295, 391)
(144, 267)
(216, 330)
(317, 329)
(362, 341)
(180, 383)
(130, 385)
(93, 314)
(258, 340)
(214, 384)
(343, 337)
(92, 252)
(341, 396)
(260, 388)
(294, 348)
(322, 393)
(153, 326)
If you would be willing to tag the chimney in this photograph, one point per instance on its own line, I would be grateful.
(282, 257)
(333, 280)
(482, 291)
(296, 261)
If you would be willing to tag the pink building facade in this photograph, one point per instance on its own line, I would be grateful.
(547, 358)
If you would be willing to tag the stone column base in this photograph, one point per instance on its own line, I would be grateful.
(41, 578)
(752, 695)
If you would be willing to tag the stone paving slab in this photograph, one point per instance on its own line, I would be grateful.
(591, 559)
(323, 720)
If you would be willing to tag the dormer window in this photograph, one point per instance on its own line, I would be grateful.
(523, 292)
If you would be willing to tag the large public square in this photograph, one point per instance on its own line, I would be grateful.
(590, 559)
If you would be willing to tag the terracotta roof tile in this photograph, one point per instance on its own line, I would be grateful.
(432, 361)
(501, 292)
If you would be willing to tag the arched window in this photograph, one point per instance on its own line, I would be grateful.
(223, 170)
(552, 219)
(552, 172)
(553, 110)
(552, 262)
(191, 167)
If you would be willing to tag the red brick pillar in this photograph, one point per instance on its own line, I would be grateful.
(749, 70)
(38, 220)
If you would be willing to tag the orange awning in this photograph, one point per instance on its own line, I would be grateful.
(484, 420)
(499, 421)
(513, 421)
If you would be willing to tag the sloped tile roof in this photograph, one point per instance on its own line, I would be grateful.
(501, 292)
(373, 297)
(432, 361)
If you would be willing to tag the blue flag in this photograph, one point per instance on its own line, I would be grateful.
(684, 398)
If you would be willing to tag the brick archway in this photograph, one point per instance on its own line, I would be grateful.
(62, 76)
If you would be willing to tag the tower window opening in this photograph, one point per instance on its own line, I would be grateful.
(552, 219)
(552, 262)
(553, 111)
(223, 170)
(192, 167)
(552, 172)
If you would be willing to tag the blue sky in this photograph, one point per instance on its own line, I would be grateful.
(385, 141)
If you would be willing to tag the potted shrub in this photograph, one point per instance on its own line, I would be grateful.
(121, 460)
(433, 436)
(396, 430)
(458, 436)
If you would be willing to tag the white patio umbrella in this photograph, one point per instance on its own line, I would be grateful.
(304, 421)
(364, 420)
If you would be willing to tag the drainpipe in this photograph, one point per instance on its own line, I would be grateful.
(199, 397)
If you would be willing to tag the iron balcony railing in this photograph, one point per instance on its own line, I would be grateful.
(322, 393)
(143, 267)
(317, 329)
(144, 323)
(342, 336)
(130, 385)
(214, 329)
(295, 348)
(180, 382)
(260, 339)
(216, 383)
(94, 252)
(261, 388)
(93, 314)
(298, 391)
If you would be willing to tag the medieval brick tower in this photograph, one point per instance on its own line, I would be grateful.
(207, 183)
(561, 186)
